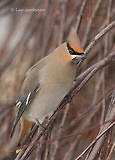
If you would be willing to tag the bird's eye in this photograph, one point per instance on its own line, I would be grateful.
(71, 51)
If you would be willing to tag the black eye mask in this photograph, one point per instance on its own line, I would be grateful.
(72, 52)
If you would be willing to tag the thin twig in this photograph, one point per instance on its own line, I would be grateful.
(30, 29)
(98, 144)
(56, 145)
(94, 107)
(98, 36)
(105, 54)
(110, 153)
(46, 154)
(6, 3)
(85, 124)
(80, 15)
(63, 16)
(95, 140)
(90, 21)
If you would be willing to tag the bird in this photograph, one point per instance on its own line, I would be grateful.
(47, 82)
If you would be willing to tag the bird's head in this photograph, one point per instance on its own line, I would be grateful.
(74, 47)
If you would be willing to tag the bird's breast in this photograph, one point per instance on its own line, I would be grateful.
(57, 73)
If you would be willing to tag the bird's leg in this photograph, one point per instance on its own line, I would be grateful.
(42, 128)
(69, 98)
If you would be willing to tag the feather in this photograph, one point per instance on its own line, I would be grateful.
(23, 107)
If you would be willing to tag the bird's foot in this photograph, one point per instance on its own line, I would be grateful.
(42, 127)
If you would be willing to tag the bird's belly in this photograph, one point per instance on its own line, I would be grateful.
(46, 101)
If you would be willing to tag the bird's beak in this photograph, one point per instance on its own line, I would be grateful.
(78, 59)
(83, 56)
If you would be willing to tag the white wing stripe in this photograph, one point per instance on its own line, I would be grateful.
(28, 98)
(18, 104)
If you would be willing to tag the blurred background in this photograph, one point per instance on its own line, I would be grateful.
(31, 29)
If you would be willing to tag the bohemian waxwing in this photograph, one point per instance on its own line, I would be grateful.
(48, 82)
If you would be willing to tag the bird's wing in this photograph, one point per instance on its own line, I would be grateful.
(29, 89)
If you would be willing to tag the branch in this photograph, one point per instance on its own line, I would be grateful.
(111, 114)
(103, 130)
(91, 110)
(95, 140)
(90, 72)
(98, 36)
(90, 113)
